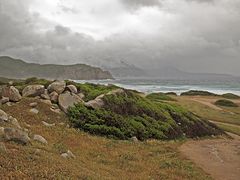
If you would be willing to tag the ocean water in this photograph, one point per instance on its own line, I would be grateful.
(173, 85)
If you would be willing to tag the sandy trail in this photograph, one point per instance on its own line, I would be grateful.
(218, 157)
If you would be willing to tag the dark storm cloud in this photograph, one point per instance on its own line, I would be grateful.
(192, 36)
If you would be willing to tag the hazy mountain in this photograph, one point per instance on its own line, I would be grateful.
(174, 73)
(125, 70)
(16, 68)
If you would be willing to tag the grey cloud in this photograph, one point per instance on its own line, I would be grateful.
(195, 39)
(140, 3)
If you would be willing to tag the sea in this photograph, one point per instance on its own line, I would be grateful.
(173, 85)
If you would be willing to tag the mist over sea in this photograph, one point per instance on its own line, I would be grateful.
(174, 85)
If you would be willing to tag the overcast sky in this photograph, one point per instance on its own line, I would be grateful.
(192, 35)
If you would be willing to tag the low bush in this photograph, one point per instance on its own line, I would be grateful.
(227, 103)
(126, 115)
(198, 93)
(230, 96)
(159, 97)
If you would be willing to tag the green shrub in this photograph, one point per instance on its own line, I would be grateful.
(91, 91)
(159, 97)
(171, 93)
(126, 115)
(198, 93)
(227, 103)
(230, 96)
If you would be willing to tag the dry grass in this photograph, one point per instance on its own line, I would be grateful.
(96, 157)
(226, 115)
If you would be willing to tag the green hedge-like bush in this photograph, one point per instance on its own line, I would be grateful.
(159, 97)
(126, 115)
(198, 93)
(230, 96)
(227, 103)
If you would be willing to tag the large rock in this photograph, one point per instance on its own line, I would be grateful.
(72, 89)
(12, 93)
(33, 90)
(54, 97)
(16, 135)
(96, 103)
(3, 116)
(67, 100)
(57, 86)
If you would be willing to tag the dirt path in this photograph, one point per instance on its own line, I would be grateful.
(218, 157)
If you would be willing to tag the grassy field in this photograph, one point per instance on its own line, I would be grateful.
(227, 118)
(96, 157)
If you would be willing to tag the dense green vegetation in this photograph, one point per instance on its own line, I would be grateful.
(91, 91)
(198, 93)
(227, 103)
(126, 115)
(230, 96)
(171, 93)
(159, 97)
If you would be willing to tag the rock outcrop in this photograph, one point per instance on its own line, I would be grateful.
(16, 135)
(72, 89)
(67, 100)
(33, 90)
(12, 93)
(98, 101)
(57, 86)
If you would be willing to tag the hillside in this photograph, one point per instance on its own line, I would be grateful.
(15, 68)
(39, 141)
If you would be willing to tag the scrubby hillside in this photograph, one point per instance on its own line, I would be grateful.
(42, 136)
(15, 68)
(125, 114)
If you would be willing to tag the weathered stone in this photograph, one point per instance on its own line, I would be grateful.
(40, 139)
(16, 135)
(54, 97)
(67, 100)
(47, 124)
(45, 95)
(33, 104)
(68, 154)
(33, 90)
(57, 86)
(72, 89)
(12, 93)
(4, 100)
(3, 116)
(34, 111)
(98, 101)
